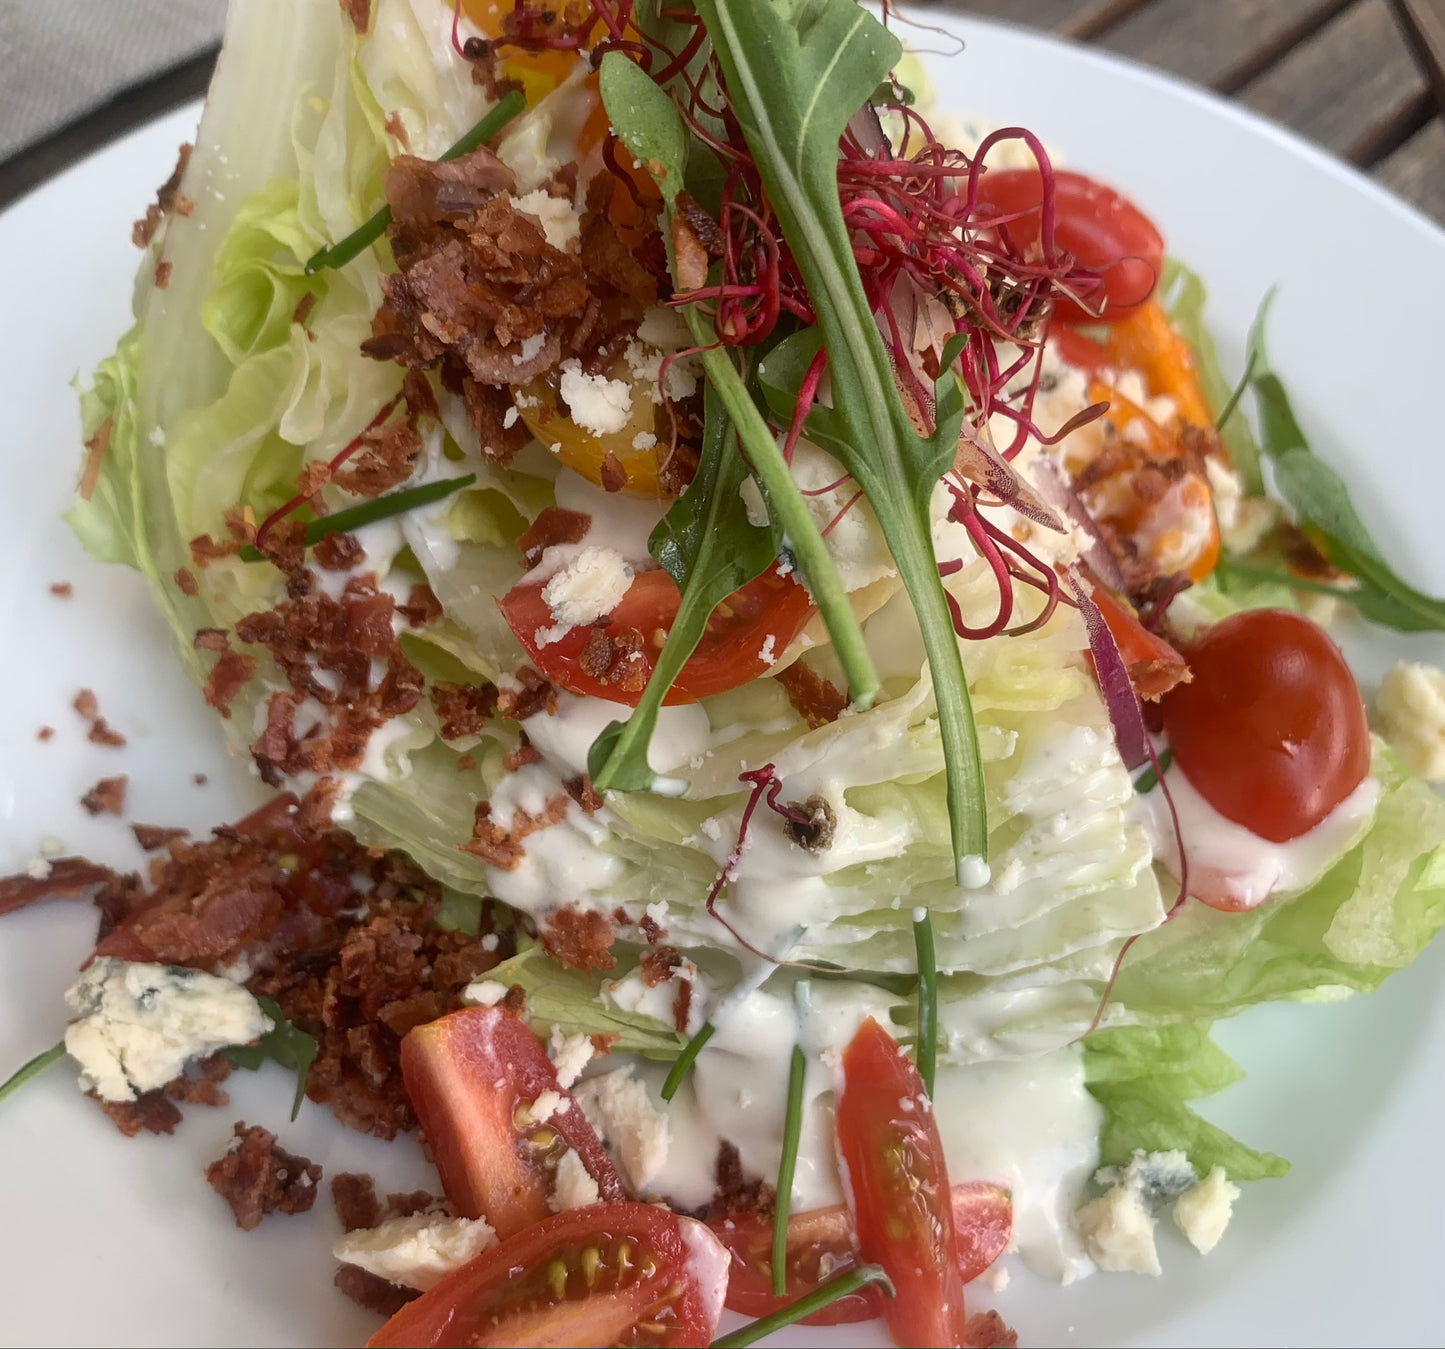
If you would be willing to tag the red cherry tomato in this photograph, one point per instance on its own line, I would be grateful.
(892, 1156)
(1272, 730)
(1104, 231)
(611, 1274)
(472, 1077)
(615, 658)
(820, 1246)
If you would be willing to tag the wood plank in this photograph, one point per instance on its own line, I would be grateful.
(1354, 87)
(1417, 169)
(1220, 43)
(1423, 22)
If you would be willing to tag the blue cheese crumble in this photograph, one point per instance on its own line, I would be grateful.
(138, 1025)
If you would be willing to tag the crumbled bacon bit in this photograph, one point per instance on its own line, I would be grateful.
(690, 253)
(611, 473)
(479, 286)
(338, 551)
(421, 607)
(66, 878)
(988, 1330)
(533, 695)
(95, 448)
(658, 966)
(86, 704)
(200, 779)
(735, 1193)
(514, 1001)
(154, 836)
(603, 1042)
(813, 834)
(45, 733)
(525, 753)
(227, 677)
(651, 929)
(62, 590)
(395, 128)
(354, 1195)
(581, 939)
(303, 309)
(102, 733)
(359, 12)
(372, 1291)
(466, 763)
(682, 1006)
(210, 639)
(164, 268)
(615, 659)
(581, 790)
(503, 847)
(168, 199)
(386, 459)
(462, 709)
(186, 582)
(153, 1111)
(201, 1086)
(256, 1177)
(553, 525)
(107, 796)
(814, 698)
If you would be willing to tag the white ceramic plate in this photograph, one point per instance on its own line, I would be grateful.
(110, 1240)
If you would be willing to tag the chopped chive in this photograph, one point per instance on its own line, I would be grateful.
(926, 1047)
(339, 254)
(369, 512)
(34, 1068)
(824, 1295)
(1232, 402)
(1149, 778)
(787, 1165)
(684, 1061)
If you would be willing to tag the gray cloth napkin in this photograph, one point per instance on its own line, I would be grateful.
(59, 59)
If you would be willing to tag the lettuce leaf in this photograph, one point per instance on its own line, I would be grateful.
(1143, 1077)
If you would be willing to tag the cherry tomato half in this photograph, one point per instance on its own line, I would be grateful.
(1272, 730)
(1104, 231)
(613, 659)
(820, 1246)
(892, 1155)
(610, 1274)
(473, 1077)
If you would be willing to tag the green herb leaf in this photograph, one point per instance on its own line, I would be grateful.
(342, 252)
(787, 1166)
(284, 1044)
(1320, 499)
(30, 1070)
(682, 1065)
(369, 512)
(796, 71)
(824, 1295)
(646, 120)
(926, 1046)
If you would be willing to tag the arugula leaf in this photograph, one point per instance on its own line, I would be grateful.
(285, 1044)
(704, 537)
(1321, 501)
(797, 71)
(707, 545)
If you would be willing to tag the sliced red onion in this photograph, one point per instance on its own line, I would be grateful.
(1056, 491)
(1127, 718)
(868, 132)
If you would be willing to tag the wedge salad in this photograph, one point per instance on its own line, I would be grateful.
(784, 686)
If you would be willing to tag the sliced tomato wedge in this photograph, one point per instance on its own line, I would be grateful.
(497, 1121)
(820, 1245)
(1154, 666)
(614, 657)
(892, 1156)
(611, 1274)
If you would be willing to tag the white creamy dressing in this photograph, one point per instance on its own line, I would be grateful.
(1225, 858)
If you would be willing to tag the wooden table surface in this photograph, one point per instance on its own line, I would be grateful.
(1362, 78)
(1355, 76)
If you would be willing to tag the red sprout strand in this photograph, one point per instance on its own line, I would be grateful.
(296, 502)
(807, 396)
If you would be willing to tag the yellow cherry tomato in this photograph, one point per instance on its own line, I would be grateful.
(537, 72)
